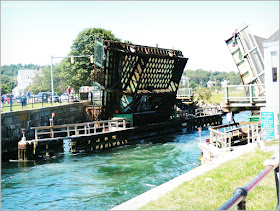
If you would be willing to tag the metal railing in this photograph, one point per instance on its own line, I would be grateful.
(240, 195)
(78, 129)
(252, 93)
(221, 136)
(15, 104)
(184, 92)
(203, 111)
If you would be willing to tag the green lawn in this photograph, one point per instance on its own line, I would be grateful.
(17, 106)
(210, 190)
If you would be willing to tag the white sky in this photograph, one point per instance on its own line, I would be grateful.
(33, 31)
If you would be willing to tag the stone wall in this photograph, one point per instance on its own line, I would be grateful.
(13, 122)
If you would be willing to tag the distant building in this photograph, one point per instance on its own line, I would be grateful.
(224, 83)
(272, 77)
(24, 79)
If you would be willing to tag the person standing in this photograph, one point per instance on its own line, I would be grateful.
(28, 95)
(68, 91)
(2, 102)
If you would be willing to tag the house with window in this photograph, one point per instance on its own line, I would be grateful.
(272, 77)
(24, 78)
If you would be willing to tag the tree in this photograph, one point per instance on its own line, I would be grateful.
(81, 72)
(7, 84)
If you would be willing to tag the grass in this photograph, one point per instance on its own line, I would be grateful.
(210, 190)
(218, 97)
(18, 107)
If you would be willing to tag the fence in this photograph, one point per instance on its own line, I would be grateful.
(240, 195)
(184, 92)
(251, 93)
(203, 111)
(87, 128)
(222, 136)
(19, 103)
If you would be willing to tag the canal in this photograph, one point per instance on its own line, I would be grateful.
(100, 181)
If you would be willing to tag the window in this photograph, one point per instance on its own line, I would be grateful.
(274, 74)
(274, 61)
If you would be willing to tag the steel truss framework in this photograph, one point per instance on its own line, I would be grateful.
(139, 78)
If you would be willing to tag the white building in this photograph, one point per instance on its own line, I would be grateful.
(24, 79)
(272, 78)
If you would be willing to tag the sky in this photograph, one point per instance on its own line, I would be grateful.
(33, 31)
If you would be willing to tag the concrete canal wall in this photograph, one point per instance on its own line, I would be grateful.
(13, 122)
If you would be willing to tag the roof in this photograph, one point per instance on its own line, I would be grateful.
(274, 37)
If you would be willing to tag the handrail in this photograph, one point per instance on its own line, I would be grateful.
(240, 194)
(86, 128)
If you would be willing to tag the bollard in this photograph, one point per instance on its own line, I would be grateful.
(22, 147)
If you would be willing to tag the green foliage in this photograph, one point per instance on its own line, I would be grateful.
(201, 77)
(203, 94)
(81, 72)
(12, 70)
(7, 84)
(9, 76)
(42, 82)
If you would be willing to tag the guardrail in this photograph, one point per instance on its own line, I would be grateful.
(184, 92)
(36, 102)
(203, 111)
(222, 135)
(251, 93)
(240, 195)
(77, 129)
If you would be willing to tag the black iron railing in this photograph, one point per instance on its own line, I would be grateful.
(22, 103)
(240, 194)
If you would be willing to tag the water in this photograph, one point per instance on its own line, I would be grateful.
(100, 181)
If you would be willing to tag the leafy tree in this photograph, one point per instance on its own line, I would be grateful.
(7, 84)
(81, 72)
(199, 78)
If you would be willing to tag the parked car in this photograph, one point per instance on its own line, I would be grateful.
(64, 98)
(7, 98)
(46, 97)
(17, 99)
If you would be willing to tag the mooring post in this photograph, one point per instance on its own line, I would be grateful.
(22, 147)
(51, 124)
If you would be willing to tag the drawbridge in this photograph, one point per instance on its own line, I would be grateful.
(136, 81)
(248, 53)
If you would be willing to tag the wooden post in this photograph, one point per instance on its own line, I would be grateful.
(211, 137)
(124, 124)
(68, 131)
(76, 131)
(36, 134)
(109, 126)
(85, 127)
(94, 128)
